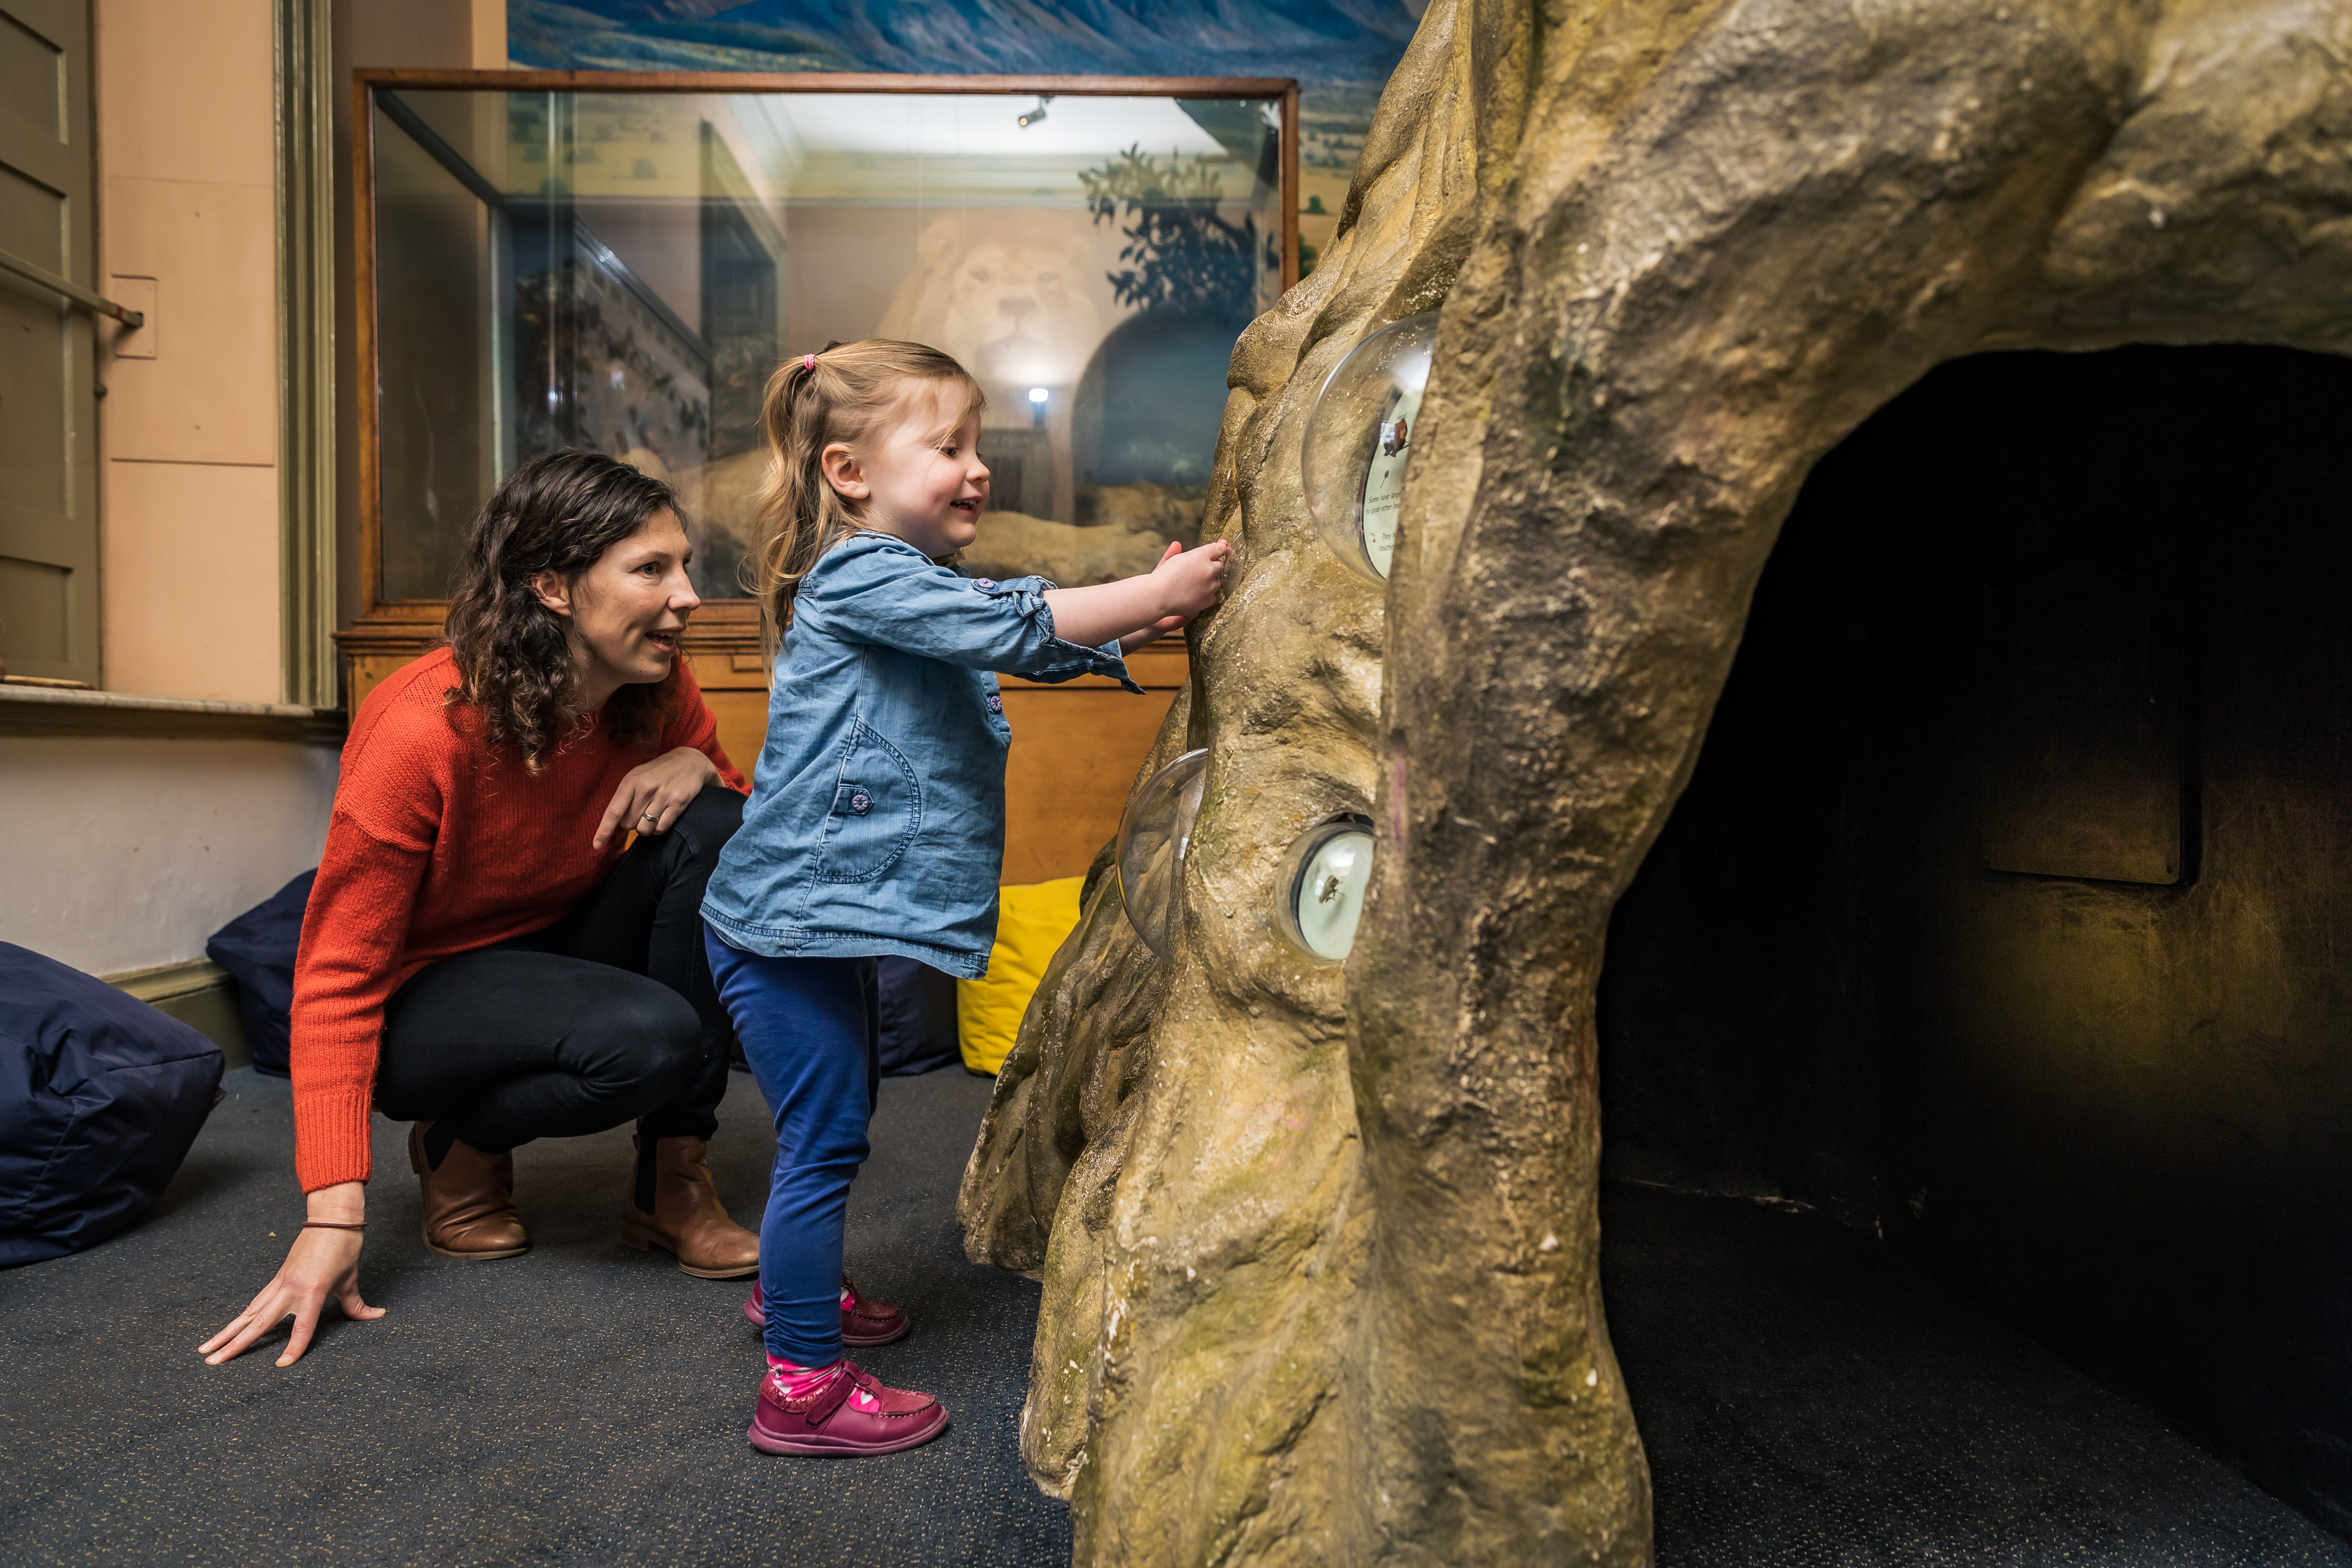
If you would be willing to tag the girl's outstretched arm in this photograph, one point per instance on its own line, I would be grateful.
(1185, 583)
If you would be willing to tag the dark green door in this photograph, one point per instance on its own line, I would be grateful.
(49, 426)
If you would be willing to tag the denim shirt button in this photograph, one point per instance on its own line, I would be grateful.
(995, 703)
(984, 583)
(861, 803)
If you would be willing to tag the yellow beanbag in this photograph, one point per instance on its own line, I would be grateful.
(1031, 922)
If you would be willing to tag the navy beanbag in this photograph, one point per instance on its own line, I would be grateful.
(257, 949)
(101, 1096)
(919, 1017)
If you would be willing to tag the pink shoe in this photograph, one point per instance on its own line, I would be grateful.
(864, 1320)
(852, 1415)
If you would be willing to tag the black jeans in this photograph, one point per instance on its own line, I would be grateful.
(608, 1015)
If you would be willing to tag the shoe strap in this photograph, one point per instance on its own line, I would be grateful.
(835, 1395)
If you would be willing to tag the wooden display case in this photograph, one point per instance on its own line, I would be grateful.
(505, 201)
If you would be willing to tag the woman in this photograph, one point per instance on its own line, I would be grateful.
(482, 955)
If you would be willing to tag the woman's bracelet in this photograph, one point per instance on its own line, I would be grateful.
(331, 1225)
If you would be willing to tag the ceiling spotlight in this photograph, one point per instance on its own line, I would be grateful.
(1037, 113)
(1037, 394)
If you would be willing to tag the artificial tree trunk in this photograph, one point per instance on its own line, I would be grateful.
(1320, 1246)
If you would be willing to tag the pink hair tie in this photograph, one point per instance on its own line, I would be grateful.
(808, 362)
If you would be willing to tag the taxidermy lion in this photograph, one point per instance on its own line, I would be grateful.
(1011, 305)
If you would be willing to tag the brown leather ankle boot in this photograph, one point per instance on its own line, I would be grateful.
(469, 1211)
(687, 1220)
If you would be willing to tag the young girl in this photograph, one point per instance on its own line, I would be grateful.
(877, 821)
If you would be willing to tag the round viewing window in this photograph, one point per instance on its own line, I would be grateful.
(1326, 877)
(1358, 435)
(1152, 840)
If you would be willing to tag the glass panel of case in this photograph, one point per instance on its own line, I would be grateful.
(623, 271)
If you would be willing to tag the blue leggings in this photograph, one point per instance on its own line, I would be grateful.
(809, 1028)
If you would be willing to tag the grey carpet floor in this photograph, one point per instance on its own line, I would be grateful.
(1805, 1397)
(1809, 1398)
(584, 1404)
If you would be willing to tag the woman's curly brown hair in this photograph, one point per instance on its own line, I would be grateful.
(557, 513)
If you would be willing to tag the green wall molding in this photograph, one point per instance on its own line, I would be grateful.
(199, 994)
(57, 710)
(306, 350)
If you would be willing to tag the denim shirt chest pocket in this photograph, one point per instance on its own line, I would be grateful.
(877, 809)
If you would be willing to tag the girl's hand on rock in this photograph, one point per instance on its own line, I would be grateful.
(1190, 580)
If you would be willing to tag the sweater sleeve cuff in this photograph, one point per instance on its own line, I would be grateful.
(331, 1136)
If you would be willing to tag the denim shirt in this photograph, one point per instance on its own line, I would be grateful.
(877, 821)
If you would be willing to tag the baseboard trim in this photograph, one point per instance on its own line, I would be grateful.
(199, 994)
(166, 980)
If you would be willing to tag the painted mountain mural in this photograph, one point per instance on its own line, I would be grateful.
(1341, 51)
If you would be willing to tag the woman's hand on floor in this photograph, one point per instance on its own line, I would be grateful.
(321, 1263)
(654, 794)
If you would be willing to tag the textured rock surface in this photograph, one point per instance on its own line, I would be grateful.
(1319, 1249)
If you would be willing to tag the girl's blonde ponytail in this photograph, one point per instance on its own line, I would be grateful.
(842, 393)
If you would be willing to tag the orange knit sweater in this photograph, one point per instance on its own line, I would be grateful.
(439, 845)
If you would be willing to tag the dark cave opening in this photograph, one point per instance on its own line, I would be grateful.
(2000, 919)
